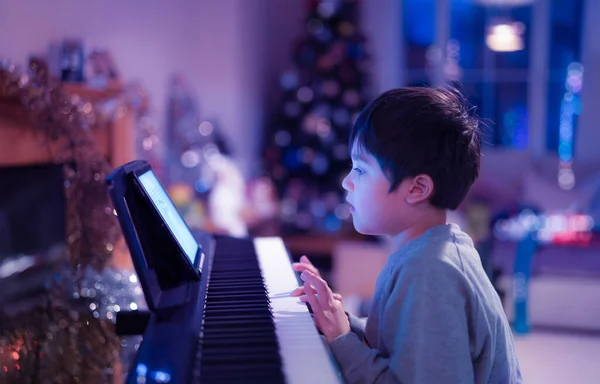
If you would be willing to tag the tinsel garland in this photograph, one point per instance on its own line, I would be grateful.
(92, 228)
(57, 342)
(65, 334)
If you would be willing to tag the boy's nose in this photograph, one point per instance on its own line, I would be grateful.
(346, 184)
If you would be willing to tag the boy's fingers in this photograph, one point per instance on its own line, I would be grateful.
(320, 286)
(305, 265)
(305, 260)
(317, 282)
(300, 293)
(301, 267)
(311, 298)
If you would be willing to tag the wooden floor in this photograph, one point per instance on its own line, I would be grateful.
(558, 358)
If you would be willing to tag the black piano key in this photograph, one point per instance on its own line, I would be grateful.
(237, 278)
(232, 343)
(233, 265)
(235, 355)
(233, 306)
(235, 334)
(232, 313)
(244, 374)
(240, 273)
(241, 378)
(211, 343)
(222, 334)
(224, 376)
(240, 319)
(241, 351)
(244, 367)
(240, 297)
(236, 316)
(249, 326)
(247, 295)
(232, 357)
(245, 289)
(235, 285)
(227, 299)
(242, 311)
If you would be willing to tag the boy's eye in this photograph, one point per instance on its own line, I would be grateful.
(358, 170)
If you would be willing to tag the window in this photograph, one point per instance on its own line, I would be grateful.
(495, 82)
(419, 26)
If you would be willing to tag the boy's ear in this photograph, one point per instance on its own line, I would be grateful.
(420, 188)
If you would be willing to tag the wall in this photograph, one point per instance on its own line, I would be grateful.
(219, 45)
(382, 26)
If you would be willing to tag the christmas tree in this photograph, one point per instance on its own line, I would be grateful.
(306, 146)
(192, 141)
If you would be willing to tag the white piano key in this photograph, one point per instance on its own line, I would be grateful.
(304, 354)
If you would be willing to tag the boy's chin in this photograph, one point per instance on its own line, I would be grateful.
(363, 230)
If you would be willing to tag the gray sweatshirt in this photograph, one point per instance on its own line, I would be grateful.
(435, 319)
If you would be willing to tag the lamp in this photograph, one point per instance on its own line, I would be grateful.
(505, 36)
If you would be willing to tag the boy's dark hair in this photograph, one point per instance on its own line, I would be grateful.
(416, 130)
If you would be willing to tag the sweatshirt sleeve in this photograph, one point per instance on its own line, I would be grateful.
(423, 325)
(357, 325)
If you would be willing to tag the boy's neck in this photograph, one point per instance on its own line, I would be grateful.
(419, 227)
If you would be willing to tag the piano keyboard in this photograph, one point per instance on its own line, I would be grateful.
(247, 329)
(303, 351)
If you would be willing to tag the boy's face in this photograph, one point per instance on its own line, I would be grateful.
(375, 210)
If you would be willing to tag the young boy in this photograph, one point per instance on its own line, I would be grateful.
(435, 316)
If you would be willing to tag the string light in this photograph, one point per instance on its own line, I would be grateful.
(570, 107)
(555, 228)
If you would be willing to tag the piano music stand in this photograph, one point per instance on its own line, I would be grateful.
(165, 271)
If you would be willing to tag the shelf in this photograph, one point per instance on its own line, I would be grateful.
(22, 145)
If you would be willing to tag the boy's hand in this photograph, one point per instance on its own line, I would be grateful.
(306, 265)
(329, 314)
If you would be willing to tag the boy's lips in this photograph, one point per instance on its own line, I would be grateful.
(350, 206)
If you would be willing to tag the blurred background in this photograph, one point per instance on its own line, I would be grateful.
(243, 108)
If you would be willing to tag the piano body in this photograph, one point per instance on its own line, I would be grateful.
(220, 311)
